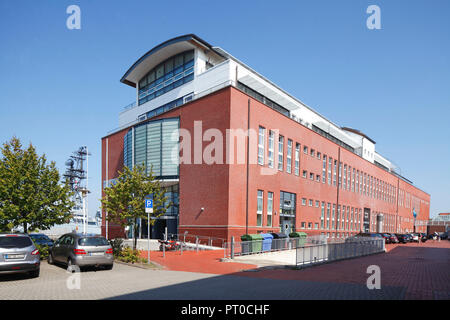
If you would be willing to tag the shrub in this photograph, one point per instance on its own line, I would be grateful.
(129, 255)
(117, 246)
(43, 251)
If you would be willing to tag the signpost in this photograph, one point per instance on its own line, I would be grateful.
(148, 210)
(415, 215)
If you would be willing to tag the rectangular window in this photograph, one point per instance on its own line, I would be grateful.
(324, 169)
(305, 149)
(305, 174)
(289, 157)
(330, 163)
(353, 180)
(269, 208)
(261, 137)
(259, 209)
(297, 159)
(338, 220)
(280, 152)
(318, 155)
(334, 172)
(322, 216)
(349, 174)
(303, 201)
(313, 153)
(345, 176)
(328, 215)
(270, 155)
(333, 216)
(310, 202)
(340, 175)
(311, 176)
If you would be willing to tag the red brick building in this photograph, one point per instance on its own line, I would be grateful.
(295, 170)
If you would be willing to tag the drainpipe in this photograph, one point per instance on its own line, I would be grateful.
(248, 163)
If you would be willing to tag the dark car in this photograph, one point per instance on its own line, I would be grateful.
(393, 238)
(386, 237)
(363, 235)
(402, 238)
(18, 254)
(41, 239)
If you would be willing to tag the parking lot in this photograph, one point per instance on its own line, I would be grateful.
(408, 271)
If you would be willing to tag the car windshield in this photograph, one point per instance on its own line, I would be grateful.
(39, 237)
(93, 241)
(15, 242)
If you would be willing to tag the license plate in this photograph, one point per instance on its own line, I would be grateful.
(96, 253)
(14, 256)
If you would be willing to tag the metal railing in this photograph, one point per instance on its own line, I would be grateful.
(241, 248)
(201, 241)
(338, 250)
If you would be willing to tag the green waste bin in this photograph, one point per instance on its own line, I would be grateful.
(254, 246)
(299, 238)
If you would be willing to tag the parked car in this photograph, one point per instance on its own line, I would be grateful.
(82, 250)
(363, 235)
(18, 254)
(386, 237)
(393, 238)
(41, 239)
(415, 237)
(402, 238)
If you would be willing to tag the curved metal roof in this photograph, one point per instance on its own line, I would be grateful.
(130, 77)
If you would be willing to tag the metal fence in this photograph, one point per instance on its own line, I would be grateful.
(241, 248)
(201, 241)
(338, 250)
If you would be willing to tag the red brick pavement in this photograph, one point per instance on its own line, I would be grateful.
(422, 269)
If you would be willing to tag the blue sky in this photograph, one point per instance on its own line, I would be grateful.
(60, 89)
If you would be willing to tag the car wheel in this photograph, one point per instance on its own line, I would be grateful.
(70, 266)
(109, 267)
(50, 259)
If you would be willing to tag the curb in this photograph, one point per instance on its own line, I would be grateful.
(142, 265)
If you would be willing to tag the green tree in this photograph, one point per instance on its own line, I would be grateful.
(125, 200)
(31, 194)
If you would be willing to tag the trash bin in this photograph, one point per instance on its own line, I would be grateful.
(299, 238)
(267, 241)
(279, 241)
(251, 247)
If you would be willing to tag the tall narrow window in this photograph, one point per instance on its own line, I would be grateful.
(349, 174)
(269, 208)
(297, 159)
(357, 181)
(270, 156)
(262, 132)
(280, 152)
(338, 220)
(340, 175)
(330, 163)
(289, 157)
(259, 209)
(328, 215)
(353, 180)
(334, 172)
(345, 176)
(324, 169)
(322, 216)
(333, 216)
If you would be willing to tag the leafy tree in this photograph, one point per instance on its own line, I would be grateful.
(125, 200)
(30, 191)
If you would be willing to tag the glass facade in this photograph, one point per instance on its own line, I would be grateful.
(154, 144)
(167, 76)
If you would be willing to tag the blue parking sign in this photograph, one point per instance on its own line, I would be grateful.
(149, 205)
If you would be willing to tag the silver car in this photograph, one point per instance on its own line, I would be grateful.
(18, 254)
(82, 250)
